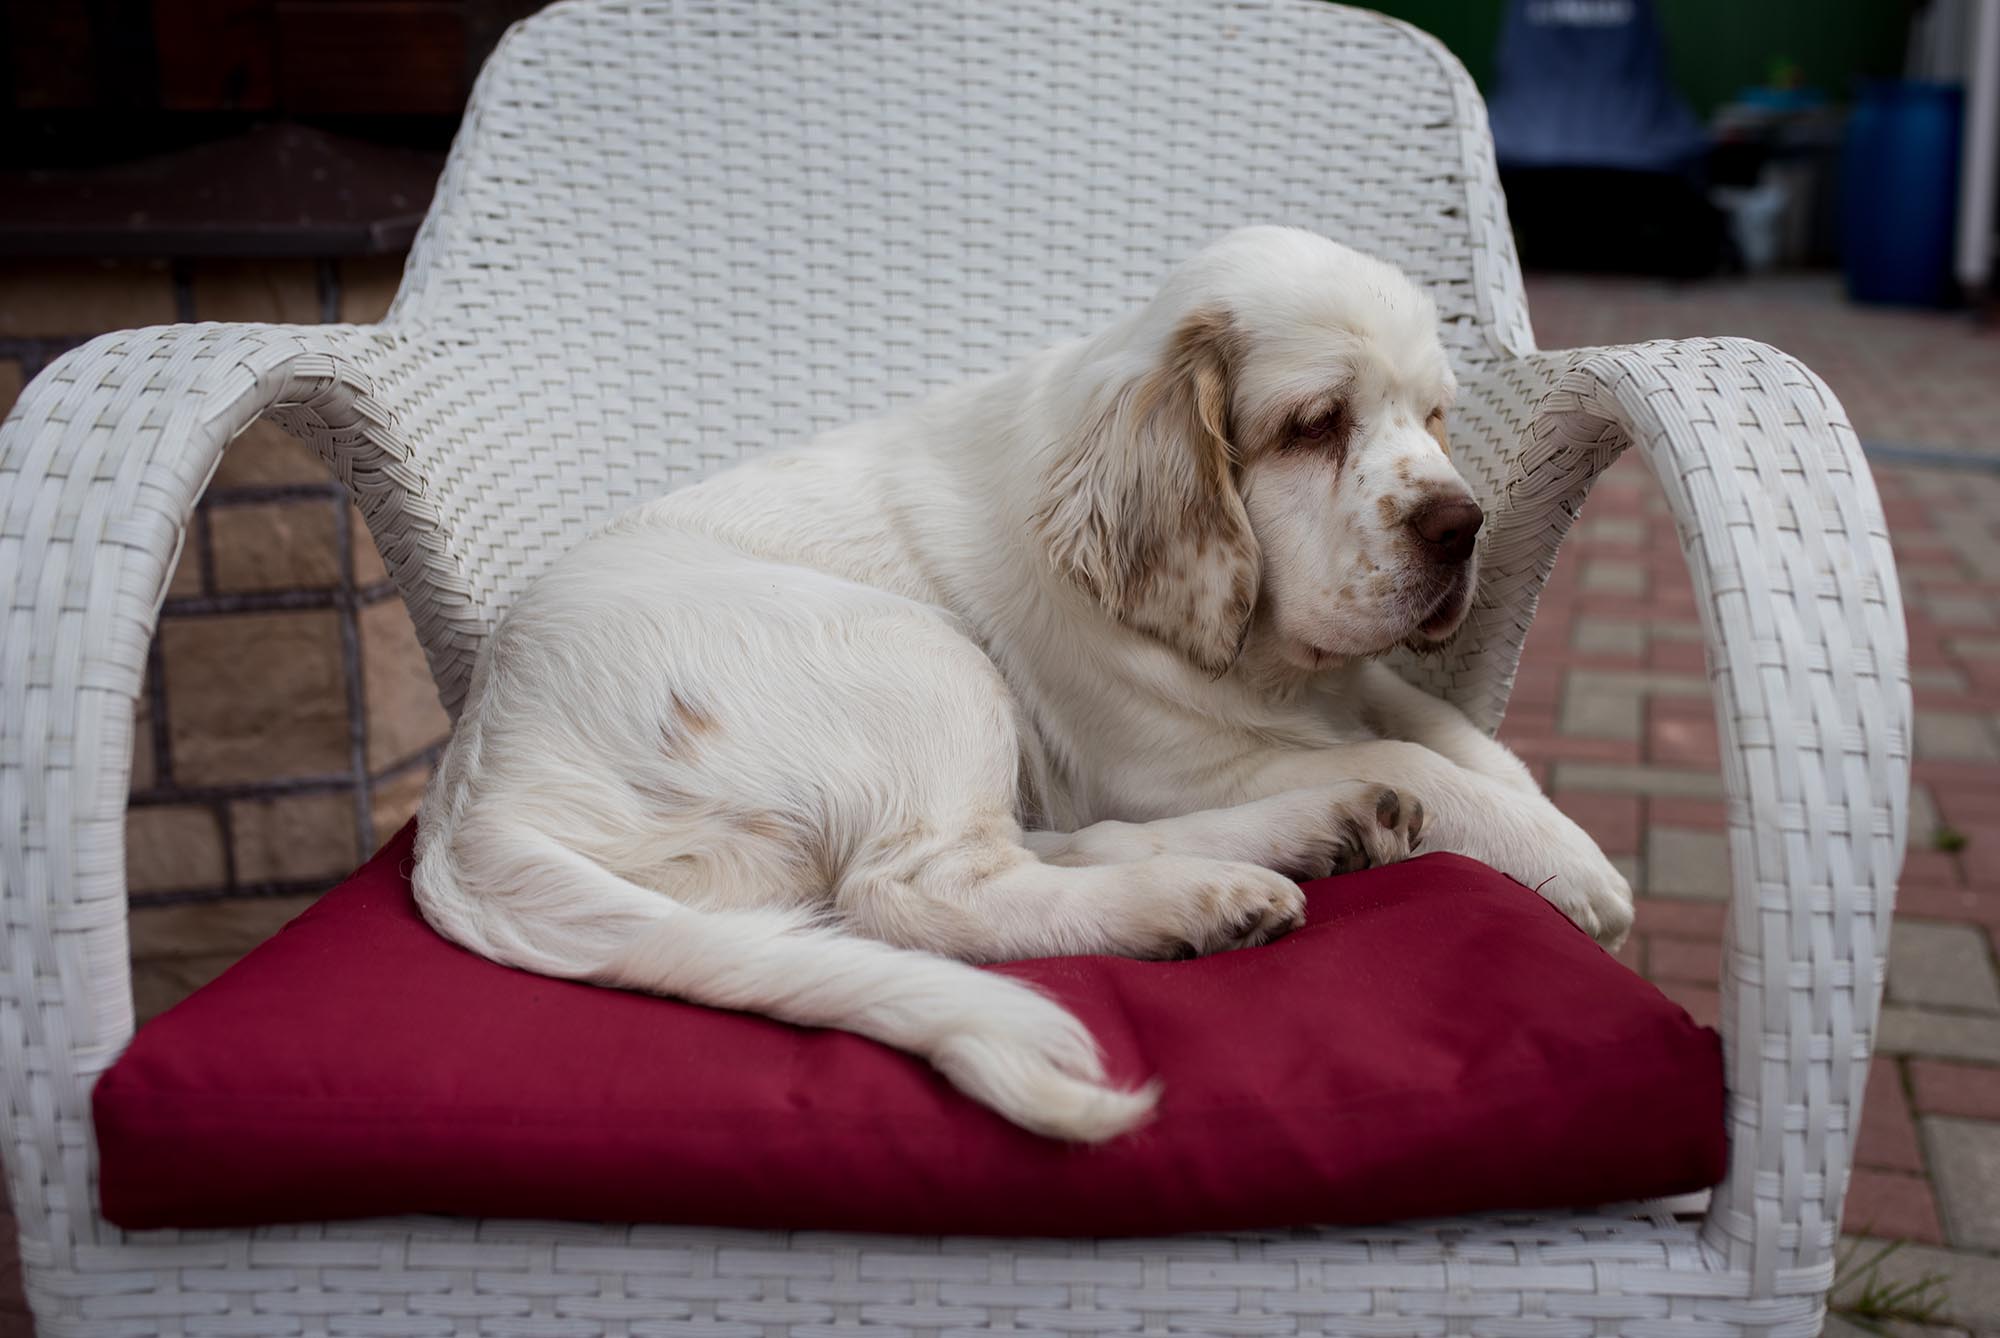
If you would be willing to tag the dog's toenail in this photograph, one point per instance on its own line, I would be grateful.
(1388, 808)
(1416, 821)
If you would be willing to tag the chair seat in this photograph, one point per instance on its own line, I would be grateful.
(1436, 1039)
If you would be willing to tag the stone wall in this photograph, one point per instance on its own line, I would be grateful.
(288, 721)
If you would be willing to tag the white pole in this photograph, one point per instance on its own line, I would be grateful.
(1981, 145)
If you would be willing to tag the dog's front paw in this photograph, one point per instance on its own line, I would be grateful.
(1213, 906)
(1588, 888)
(1366, 825)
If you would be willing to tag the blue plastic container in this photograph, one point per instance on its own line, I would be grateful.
(1899, 192)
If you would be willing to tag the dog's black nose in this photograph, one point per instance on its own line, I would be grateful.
(1446, 530)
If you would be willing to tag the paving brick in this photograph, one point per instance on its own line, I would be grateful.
(1918, 1031)
(1685, 863)
(1888, 1137)
(1677, 655)
(1965, 1165)
(1575, 748)
(1951, 736)
(1703, 1003)
(1611, 819)
(1968, 1090)
(1671, 811)
(1980, 855)
(1947, 773)
(1602, 713)
(1942, 966)
(1650, 682)
(1605, 576)
(1676, 739)
(1892, 1205)
(173, 848)
(1839, 1325)
(1962, 610)
(1924, 816)
(1623, 531)
(1682, 919)
(1980, 906)
(1608, 636)
(1967, 806)
(1934, 867)
(1632, 954)
(1977, 647)
(1589, 775)
(1685, 961)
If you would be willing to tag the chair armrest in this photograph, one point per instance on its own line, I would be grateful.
(1808, 657)
(101, 462)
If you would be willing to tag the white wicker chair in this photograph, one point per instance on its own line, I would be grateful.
(672, 232)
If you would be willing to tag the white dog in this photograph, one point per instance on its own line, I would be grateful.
(1073, 659)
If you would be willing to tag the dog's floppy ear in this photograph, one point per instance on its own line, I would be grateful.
(1141, 507)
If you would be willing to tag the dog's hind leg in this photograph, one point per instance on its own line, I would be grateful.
(972, 890)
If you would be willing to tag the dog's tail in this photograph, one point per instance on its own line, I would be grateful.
(544, 907)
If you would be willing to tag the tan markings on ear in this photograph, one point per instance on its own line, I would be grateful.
(1435, 426)
(1142, 509)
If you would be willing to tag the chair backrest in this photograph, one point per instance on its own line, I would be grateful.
(674, 232)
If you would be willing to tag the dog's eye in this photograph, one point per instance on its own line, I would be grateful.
(1320, 427)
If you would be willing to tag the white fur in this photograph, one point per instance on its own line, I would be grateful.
(1076, 658)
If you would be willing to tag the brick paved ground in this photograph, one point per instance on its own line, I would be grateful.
(1612, 711)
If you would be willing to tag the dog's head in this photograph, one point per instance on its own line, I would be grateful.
(1262, 451)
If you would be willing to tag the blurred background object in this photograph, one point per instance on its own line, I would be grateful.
(1704, 136)
(231, 127)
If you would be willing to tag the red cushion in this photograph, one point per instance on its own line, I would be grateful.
(1436, 1039)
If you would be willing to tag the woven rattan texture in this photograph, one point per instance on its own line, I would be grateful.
(675, 233)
